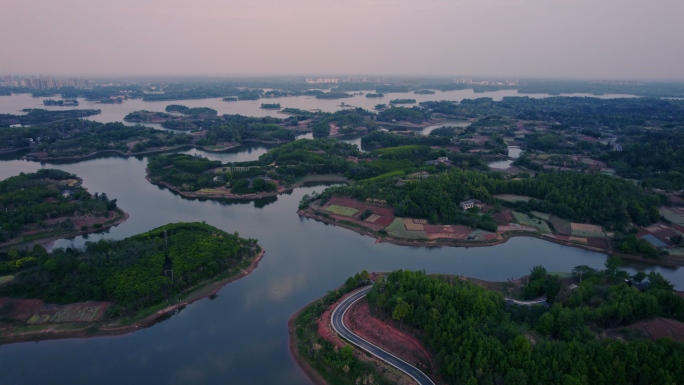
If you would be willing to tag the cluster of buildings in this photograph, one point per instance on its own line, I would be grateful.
(43, 82)
(350, 79)
(617, 82)
(470, 81)
(322, 80)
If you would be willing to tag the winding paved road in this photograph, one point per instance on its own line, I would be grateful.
(341, 329)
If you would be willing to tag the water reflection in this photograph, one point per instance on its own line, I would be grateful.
(234, 335)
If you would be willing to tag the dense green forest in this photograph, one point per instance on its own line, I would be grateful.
(75, 137)
(286, 164)
(270, 105)
(380, 139)
(337, 365)
(186, 172)
(39, 116)
(346, 120)
(477, 338)
(134, 272)
(402, 101)
(144, 116)
(334, 95)
(593, 198)
(655, 158)
(238, 128)
(582, 112)
(402, 114)
(31, 199)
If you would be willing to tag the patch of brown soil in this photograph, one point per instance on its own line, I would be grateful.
(326, 331)
(503, 218)
(385, 214)
(601, 243)
(386, 335)
(661, 328)
(23, 309)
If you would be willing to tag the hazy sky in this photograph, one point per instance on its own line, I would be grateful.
(541, 38)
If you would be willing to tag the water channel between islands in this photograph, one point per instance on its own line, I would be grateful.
(241, 337)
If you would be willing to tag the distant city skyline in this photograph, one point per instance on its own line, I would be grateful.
(571, 39)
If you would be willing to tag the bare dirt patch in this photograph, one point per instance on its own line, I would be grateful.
(447, 231)
(503, 218)
(410, 224)
(388, 335)
(385, 215)
(659, 328)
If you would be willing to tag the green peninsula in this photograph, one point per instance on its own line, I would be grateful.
(112, 287)
(50, 204)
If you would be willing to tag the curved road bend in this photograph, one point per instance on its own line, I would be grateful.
(341, 329)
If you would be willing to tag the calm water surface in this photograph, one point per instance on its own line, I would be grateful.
(513, 153)
(240, 337)
(116, 112)
(232, 338)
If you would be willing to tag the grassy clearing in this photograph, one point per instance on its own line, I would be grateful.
(672, 217)
(525, 220)
(513, 198)
(6, 278)
(342, 210)
(561, 225)
(398, 230)
(543, 216)
(586, 230)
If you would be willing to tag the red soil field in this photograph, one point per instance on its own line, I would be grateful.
(598, 242)
(662, 327)
(450, 232)
(23, 309)
(503, 218)
(387, 335)
(386, 213)
(373, 226)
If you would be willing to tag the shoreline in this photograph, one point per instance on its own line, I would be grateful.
(247, 197)
(303, 365)
(87, 330)
(312, 374)
(127, 154)
(51, 239)
(508, 235)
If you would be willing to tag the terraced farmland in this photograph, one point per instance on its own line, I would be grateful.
(398, 230)
(586, 230)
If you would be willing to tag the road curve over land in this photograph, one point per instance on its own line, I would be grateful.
(341, 329)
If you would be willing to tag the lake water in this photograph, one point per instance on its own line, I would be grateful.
(115, 112)
(231, 338)
(240, 337)
(513, 153)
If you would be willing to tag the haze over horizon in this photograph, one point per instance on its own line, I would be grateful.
(630, 39)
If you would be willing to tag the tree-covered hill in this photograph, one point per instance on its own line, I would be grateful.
(477, 339)
(46, 203)
(593, 198)
(134, 272)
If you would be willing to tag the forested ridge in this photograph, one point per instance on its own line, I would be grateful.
(477, 339)
(75, 137)
(134, 272)
(594, 198)
(41, 116)
(656, 158)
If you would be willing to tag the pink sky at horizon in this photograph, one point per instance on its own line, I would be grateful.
(506, 38)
